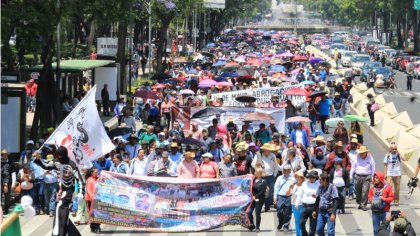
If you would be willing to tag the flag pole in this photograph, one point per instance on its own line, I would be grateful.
(59, 126)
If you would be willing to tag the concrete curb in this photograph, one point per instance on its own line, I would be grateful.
(385, 144)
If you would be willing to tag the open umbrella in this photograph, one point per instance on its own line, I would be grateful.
(192, 141)
(245, 98)
(295, 119)
(160, 76)
(145, 94)
(193, 71)
(297, 92)
(219, 63)
(180, 60)
(277, 68)
(186, 91)
(315, 60)
(284, 54)
(322, 64)
(333, 122)
(317, 94)
(207, 54)
(229, 74)
(159, 86)
(300, 58)
(355, 118)
(256, 116)
(221, 79)
(171, 81)
(120, 131)
(207, 83)
(307, 82)
(206, 112)
(224, 84)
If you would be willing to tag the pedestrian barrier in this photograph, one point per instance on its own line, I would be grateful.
(403, 119)
(405, 140)
(415, 130)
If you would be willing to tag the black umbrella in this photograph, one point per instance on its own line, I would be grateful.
(322, 64)
(206, 112)
(171, 81)
(207, 54)
(317, 93)
(192, 141)
(160, 76)
(245, 98)
(120, 131)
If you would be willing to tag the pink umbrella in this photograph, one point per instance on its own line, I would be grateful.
(207, 83)
(285, 54)
(186, 91)
(297, 119)
(296, 71)
(159, 86)
(224, 84)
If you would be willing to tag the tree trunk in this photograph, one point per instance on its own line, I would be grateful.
(121, 58)
(47, 112)
(399, 38)
(160, 50)
(137, 29)
(74, 39)
(91, 36)
(414, 23)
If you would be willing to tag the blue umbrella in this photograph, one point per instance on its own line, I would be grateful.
(193, 71)
(315, 60)
(219, 63)
(211, 45)
(307, 82)
(221, 79)
(278, 68)
(229, 74)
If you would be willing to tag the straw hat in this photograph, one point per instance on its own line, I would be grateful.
(4, 151)
(190, 154)
(274, 147)
(230, 119)
(50, 157)
(299, 174)
(242, 146)
(319, 139)
(362, 149)
(339, 143)
(174, 145)
(266, 146)
(133, 136)
(354, 140)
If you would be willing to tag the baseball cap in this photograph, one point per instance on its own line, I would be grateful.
(400, 224)
(207, 154)
(30, 142)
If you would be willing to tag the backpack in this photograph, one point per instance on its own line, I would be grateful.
(378, 204)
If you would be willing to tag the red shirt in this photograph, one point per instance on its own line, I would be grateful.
(90, 188)
(31, 89)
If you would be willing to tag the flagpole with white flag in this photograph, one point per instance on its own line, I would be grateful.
(83, 133)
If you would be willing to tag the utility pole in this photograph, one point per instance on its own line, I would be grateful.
(149, 57)
(58, 72)
(295, 23)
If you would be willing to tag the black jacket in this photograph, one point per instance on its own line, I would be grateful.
(258, 189)
(7, 169)
(383, 230)
(345, 176)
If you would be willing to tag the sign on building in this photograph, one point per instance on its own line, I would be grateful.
(107, 46)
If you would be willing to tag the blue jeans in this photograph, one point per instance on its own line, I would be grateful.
(50, 190)
(313, 123)
(296, 215)
(324, 218)
(38, 194)
(338, 113)
(377, 219)
(270, 183)
(351, 186)
(284, 211)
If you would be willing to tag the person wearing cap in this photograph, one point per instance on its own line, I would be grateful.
(266, 160)
(8, 180)
(339, 176)
(362, 170)
(164, 167)
(227, 167)
(162, 140)
(26, 155)
(338, 154)
(337, 105)
(259, 187)
(392, 170)
(174, 154)
(329, 147)
(263, 134)
(319, 143)
(132, 147)
(230, 126)
(340, 133)
(325, 109)
(148, 135)
(208, 167)
(296, 200)
(282, 197)
(188, 168)
(325, 206)
(242, 159)
(380, 197)
(307, 196)
(272, 128)
(351, 151)
(402, 227)
(118, 109)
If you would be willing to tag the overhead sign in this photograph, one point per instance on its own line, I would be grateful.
(215, 4)
(107, 46)
(416, 4)
(162, 204)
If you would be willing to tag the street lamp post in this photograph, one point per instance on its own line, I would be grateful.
(149, 57)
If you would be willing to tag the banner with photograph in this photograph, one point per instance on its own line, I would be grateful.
(263, 95)
(184, 114)
(164, 204)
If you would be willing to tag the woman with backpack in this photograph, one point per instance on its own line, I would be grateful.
(380, 197)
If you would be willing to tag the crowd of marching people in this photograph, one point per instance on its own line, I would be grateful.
(304, 173)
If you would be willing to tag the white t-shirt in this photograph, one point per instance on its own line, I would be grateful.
(393, 162)
(308, 192)
(299, 136)
(338, 179)
(352, 156)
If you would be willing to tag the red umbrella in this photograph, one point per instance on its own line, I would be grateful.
(232, 64)
(297, 92)
(145, 94)
(300, 58)
(159, 86)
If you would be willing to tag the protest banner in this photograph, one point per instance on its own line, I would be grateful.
(263, 96)
(184, 114)
(83, 133)
(164, 204)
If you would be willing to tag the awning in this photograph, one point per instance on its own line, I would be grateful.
(75, 65)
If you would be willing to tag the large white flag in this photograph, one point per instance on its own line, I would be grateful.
(83, 133)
